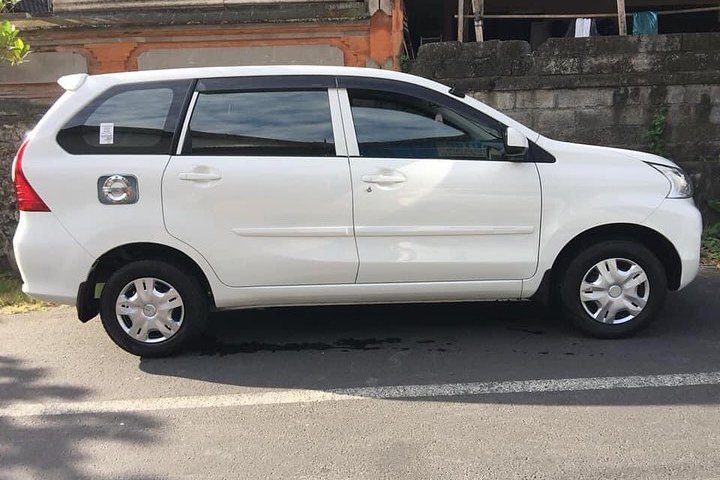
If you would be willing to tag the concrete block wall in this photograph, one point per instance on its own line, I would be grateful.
(603, 90)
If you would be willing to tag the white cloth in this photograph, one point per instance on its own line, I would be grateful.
(582, 27)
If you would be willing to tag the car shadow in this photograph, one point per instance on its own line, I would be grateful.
(50, 446)
(324, 348)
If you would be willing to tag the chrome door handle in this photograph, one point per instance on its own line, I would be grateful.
(199, 177)
(383, 179)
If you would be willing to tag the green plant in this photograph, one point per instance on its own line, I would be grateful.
(711, 236)
(655, 135)
(405, 63)
(13, 48)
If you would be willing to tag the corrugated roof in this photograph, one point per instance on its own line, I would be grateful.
(32, 6)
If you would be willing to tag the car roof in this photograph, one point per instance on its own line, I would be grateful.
(254, 71)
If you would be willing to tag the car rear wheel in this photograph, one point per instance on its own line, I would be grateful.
(613, 289)
(152, 309)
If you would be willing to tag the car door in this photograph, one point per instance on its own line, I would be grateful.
(436, 197)
(261, 184)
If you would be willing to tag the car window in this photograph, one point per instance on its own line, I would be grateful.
(392, 125)
(136, 119)
(277, 123)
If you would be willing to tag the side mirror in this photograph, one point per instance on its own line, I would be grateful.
(516, 143)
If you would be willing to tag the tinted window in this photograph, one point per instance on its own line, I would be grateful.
(129, 119)
(290, 123)
(391, 125)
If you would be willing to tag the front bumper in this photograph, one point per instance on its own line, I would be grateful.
(680, 222)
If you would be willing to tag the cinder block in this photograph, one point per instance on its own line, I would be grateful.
(593, 117)
(714, 116)
(632, 115)
(535, 99)
(585, 98)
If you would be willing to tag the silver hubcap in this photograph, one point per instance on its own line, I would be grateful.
(614, 291)
(150, 310)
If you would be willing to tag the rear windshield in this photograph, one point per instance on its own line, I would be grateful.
(127, 119)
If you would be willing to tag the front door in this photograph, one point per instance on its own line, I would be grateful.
(262, 186)
(436, 198)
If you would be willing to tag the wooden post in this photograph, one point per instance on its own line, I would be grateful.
(622, 20)
(461, 20)
(479, 12)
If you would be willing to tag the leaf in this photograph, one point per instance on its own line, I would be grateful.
(6, 28)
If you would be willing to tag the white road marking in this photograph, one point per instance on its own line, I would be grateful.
(362, 393)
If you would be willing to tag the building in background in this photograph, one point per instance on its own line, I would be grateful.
(100, 36)
(535, 21)
(93, 36)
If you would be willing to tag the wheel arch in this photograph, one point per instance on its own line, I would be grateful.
(652, 239)
(107, 263)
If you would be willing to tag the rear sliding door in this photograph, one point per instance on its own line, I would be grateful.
(261, 184)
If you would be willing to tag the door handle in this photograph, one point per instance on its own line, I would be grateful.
(383, 179)
(199, 177)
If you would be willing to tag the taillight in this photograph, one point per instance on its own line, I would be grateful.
(27, 198)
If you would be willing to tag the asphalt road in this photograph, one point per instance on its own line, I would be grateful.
(502, 390)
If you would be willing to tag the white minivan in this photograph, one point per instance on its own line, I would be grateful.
(154, 197)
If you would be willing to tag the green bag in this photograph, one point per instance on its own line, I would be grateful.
(645, 23)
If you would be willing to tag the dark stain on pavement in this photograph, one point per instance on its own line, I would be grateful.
(212, 346)
(527, 330)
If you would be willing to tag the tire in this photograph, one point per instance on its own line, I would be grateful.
(154, 321)
(604, 267)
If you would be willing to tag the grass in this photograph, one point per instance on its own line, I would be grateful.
(711, 251)
(13, 300)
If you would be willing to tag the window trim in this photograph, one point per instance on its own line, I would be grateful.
(348, 122)
(295, 83)
(265, 83)
(186, 123)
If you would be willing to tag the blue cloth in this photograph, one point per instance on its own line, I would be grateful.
(645, 23)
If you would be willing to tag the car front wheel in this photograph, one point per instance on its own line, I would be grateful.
(613, 289)
(152, 309)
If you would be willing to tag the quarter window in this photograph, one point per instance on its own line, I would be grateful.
(269, 123)
(128, 119)
(391, 125)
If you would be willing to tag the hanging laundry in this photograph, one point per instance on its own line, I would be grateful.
(582, 27)
(645, 23)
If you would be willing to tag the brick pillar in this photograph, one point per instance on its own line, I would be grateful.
(386, 34)
(111, 57)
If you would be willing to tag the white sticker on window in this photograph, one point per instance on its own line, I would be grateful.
(107, 133)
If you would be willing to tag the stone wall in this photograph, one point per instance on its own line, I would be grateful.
(604, 91)
(16, 118)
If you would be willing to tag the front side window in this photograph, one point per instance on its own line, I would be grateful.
(262, 123)
(128, 119)
(391, 125)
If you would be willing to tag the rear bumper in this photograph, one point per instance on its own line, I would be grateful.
(51, 262)
(681, 223)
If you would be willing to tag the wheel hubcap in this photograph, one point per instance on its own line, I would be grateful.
(614, 291)
(150, 310)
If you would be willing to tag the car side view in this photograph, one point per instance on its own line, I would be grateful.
(154, 197)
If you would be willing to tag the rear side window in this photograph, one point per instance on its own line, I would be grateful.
(127, 119)
(262, 123)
